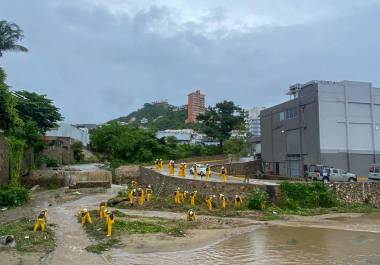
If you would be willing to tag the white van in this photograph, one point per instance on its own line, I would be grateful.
(374, 172)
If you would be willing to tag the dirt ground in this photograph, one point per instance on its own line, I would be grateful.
(71, 239)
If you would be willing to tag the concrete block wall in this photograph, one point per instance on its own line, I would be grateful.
(358, 192)
(62, 155)
(240, 168)
(61, 178)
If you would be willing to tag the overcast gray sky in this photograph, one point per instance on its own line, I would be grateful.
(101, 59)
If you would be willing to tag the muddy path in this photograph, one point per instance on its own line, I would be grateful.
(70, 237)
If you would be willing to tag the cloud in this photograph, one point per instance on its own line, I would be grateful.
(101, 61)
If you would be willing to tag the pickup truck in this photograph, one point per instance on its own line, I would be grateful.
(327, 174)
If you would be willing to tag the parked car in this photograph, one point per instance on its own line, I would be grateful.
(374, 172)
(201, 170)
(315, 171)
(332, 174)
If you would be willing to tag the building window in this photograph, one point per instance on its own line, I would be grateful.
(291, 113)
(282, 116)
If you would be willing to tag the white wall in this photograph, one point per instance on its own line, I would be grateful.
(347, 102)
(68, 130)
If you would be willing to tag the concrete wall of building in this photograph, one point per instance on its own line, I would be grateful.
(4, 162)
(349, 113)
(68, 130)
(358, 192)
(291, 140)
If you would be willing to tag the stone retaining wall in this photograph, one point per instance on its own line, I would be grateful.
(166, 185)
(358, 192)
(124, 174)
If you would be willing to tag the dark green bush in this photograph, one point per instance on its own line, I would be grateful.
(258, 199)
(302, 195)
(13, 196)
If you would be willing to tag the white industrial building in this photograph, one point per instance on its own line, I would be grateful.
(326, 122)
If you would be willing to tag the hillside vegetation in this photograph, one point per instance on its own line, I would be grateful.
(159, 116)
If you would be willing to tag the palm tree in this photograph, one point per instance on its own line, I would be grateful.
(10, 34)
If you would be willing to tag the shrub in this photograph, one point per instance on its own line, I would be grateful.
(13, 196)
(301, 195)
(16, 153)
(77, 148)
(258, 199)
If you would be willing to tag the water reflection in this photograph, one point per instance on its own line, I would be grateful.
(275, 245)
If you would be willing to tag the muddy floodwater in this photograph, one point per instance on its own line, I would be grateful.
(274, 245)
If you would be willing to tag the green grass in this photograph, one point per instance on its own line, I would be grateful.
(99, 248)
(138, 227)
(26, 239)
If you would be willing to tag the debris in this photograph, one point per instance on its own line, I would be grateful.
(77, 193)
(35, 187)
(4, 209)
(8, 240)
(26, 237)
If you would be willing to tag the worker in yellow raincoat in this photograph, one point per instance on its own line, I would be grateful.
(171, 167)
(157, 164)
(223, 173)
(182, 196)
(193, 197)
(149, 193)
(208, 171)
(102, 207)
(238, 201)
(195, 166)
(132, 195)
(182, 170)
(185, 195)
(134, 184)
(141, 196)
(110, 220)
(85, 216)
(177, 196)
(191, 216)
(210, 201)
(41, 221)
(161, 163)
(223, 201)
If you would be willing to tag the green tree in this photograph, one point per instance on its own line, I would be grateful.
(10, 34)
(78, 151)
(8, 113)
(218, 122)
(235, 146)
(31, 135)
(127, 143)
(38, 108)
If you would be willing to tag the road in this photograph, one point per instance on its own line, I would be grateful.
(215, 177)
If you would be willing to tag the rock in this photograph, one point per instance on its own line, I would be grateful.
(8, 240)
(4, 209)
(35, 187)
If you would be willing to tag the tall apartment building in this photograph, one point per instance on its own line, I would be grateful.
(253, 120)
(330, 123)
(196, 105)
